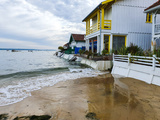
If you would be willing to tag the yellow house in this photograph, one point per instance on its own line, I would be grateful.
(117, 23)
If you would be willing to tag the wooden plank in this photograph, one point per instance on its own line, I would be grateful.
(142, 63)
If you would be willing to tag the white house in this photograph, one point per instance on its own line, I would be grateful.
(77, 42)
(153, 13)
(117, 23)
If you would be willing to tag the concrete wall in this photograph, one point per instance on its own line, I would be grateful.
(141, 72)
(98, 65)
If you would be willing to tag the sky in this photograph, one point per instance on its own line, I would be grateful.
(42, 24)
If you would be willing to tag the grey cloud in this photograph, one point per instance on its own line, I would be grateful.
(45, 22)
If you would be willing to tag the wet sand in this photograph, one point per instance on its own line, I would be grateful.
(97, 98)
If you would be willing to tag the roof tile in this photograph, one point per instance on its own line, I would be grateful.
(78, 37)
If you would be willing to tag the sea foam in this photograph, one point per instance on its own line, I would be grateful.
(18, 91)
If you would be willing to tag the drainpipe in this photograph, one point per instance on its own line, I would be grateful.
(100, 30)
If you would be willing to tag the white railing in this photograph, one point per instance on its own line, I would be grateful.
(153, 62)
(157, 29)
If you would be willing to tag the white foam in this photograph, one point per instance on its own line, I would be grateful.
(14, 93)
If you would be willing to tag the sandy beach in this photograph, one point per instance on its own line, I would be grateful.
(98, 98)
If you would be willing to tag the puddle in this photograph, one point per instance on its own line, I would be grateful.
(108, 103)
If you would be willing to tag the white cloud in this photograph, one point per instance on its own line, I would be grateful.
(24, 44)
(43, 22)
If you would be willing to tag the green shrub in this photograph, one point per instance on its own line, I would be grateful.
(148, 53)
(104, 52)
(134, 50)
(123, 51)
(89, 54)
(61, 48)
(81, 52)
(157, 52)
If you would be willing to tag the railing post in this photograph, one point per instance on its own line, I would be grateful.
(113, 59)
(154, 62)
(129, 58)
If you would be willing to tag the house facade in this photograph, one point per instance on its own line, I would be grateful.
(77, 42)
(153, 11)
(117, 23)
(65, 46)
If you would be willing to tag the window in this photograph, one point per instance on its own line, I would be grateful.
(148, 18)
(118, 42)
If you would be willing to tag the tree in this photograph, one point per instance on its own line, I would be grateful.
(61, 48)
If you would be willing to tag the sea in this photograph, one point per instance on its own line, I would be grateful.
(22, 72)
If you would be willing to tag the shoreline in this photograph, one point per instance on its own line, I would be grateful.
(103, 97)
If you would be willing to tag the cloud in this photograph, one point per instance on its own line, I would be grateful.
(24, 44)
(43, 22)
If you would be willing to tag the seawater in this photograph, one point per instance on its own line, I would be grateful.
(23, 72)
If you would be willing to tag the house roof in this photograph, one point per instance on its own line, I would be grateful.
(98, 7)
(78, 37)
(65, 44)
(153, 7)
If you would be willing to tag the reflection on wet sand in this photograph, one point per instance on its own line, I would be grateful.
(109, 104)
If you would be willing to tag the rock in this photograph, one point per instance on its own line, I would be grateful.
(34, 117)
(91, 116)
(3, 116)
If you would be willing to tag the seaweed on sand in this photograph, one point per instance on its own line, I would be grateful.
(91, 116)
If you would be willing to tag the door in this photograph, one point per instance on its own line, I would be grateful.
(106, 42)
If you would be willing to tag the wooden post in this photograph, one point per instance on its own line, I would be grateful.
(113, 59)
(102, 18)
(98, 19)
(129, 57)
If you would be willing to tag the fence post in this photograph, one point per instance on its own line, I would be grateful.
(113, 58)
(129, 56)
(154, 62)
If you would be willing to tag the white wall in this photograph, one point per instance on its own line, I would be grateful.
(77, 44)
(128, 18)
(142, 40)
(80, 44)
(73, 43)
(94, 20)
(108, 14)
(138, 3)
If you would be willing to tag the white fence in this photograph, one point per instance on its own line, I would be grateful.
(139, 67)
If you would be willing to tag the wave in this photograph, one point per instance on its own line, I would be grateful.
(16, 92)
(34, 73)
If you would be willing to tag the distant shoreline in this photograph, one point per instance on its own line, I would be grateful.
(20, 49)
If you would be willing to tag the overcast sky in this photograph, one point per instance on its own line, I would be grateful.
(42, 24)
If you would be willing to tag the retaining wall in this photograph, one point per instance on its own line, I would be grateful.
(98, 65)
(141, 69)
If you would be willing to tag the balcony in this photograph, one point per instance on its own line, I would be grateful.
(106, 25)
